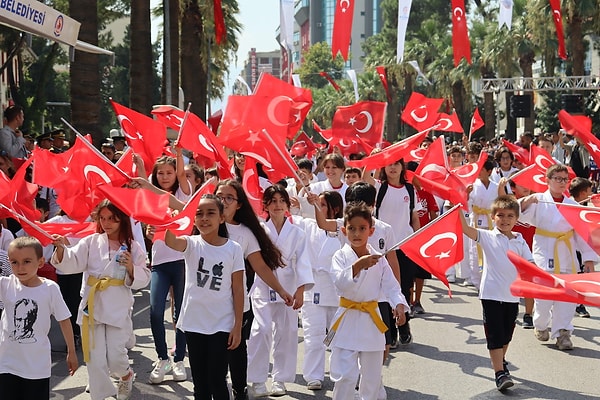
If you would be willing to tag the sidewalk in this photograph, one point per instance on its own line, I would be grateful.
(448, 359)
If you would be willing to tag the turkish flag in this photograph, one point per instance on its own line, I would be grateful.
(585, 221)
(365, 119)
(383, 76)
(18, 194)
(460, 32)
(44, 231)
(521, 154)
(303, 146)
(421, 112)
(125, 163)
(183, 223)
(415, 155)
(342, 28)
(534, 282)
(245, 132)
(451, 189)
(196, 137)
(391, 154)
(142, 133)
(30, 227)
(469, 173)
(140, 204)
(578, 128)
(476, 123)
(330, 80)
(215, 120)
(438, 245)
(532, 177)
(252, 186)
(557, 18)
(300, 100)
(449, 123)
(434, 165)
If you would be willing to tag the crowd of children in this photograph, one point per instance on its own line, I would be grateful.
(323, 247)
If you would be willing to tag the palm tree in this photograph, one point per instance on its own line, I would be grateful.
(141, 74)
(85, 74)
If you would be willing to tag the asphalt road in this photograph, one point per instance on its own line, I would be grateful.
(447, 360)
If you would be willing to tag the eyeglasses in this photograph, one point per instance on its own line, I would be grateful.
(227, 199)
(559, 179)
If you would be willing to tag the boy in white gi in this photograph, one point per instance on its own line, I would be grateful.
(361, 276)
(554, 246)
(500, 307)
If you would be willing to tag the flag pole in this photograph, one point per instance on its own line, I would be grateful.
(27, 221)
(89, 145)
(400, 243)
(185, 117)
(294, 170)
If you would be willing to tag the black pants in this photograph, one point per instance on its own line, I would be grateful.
(13, 387)
(70, 287)
(407, 279)
(208, 362)
(238, 357)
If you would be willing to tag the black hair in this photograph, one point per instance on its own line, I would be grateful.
(270, 193)
(28, 241)
(335, 203)
(305, 163)
(357, 209)
(222, 226)
(12, 112)
(363, 192)
(403, 180)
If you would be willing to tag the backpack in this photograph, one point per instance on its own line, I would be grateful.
(381, 193)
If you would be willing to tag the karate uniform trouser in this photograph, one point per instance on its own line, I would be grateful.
(275, 325)
(463, 267)
(345, 367)
(315, 321)
(474, 270)
(554, 314)
(107, 356)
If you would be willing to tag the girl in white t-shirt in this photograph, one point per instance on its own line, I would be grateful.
(334, 167)
(213, 301)
(262, 258)
(168, 270)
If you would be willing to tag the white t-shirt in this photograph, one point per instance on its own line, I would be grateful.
(395, 209)
(243, 236)
(307, 210)
(161, 253)
(208, 297)
(24, 343)
(498, 272)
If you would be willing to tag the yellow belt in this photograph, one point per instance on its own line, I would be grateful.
(481, 211)
(365, 306)
(560, 237)
(96, 285)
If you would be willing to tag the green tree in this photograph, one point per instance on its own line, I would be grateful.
(316, 60)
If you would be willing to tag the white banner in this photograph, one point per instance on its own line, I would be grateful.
(420, 73)
(505, 14)
(403, 13)
(286, 24)
(296, 80)
(352, 75)
(39, 19)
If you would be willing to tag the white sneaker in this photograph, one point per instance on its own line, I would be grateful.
(382, 395)
(451, 278)
(278, 389)
(314, 385)
(161, 367)
(124, 387)
(179, 372)
(260, 390)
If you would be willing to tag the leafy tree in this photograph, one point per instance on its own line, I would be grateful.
(316, 60)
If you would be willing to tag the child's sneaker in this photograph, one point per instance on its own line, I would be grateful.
(278, 389)
(260, 390)
(124, 387)
(563, 341)
(581, 311)
(527, 321)
(179, 372)
(542, 335)
(503, 381)
(161, 367)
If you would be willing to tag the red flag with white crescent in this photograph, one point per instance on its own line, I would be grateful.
(469, 173)
(365, 119)
(520, 153)
(460, 34)
(585, 222)
(421, 112)
(342, 28)
(383, 76)
(578, 128)
(476, 123)
(252, 187)
(449, 123)
(532, 177)
(557, 18)
(534, 282)
(438, 245)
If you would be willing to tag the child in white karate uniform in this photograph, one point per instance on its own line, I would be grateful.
(276, 325)
(110, 273)
(361, 277)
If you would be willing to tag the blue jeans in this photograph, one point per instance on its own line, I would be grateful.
(164, 276)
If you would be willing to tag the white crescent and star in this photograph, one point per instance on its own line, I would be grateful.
(247, 175)
(584, 216)
(433, 240)
(539, 161)
(271, 110)
(472, 167)
(128, 134)
(458, 13)
(540, 179)
(205, 144)
(344, 7)
(447, 121)
(369, 124)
